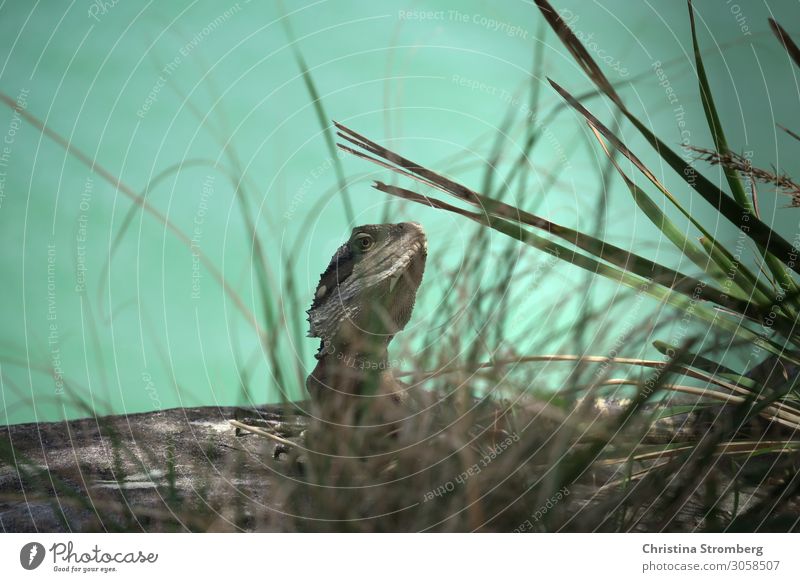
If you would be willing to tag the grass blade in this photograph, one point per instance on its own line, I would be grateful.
(660, 220)
(786, 41)
(729, 208)
(721, 144)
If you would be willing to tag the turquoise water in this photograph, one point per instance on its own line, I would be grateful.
(104, 304)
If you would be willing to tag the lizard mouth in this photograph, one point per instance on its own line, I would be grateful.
(393, 281)
(409, 268)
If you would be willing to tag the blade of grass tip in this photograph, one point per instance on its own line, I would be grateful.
(751, 227)
(755, 229)
(95, 167)
(615, 255)
(577, 49)
(322, 117)
(786, 41)
(721, 144)
(387, 166)
(628, 82)
(659, 292)
(547, 120)
(789, 132)
(714, 123)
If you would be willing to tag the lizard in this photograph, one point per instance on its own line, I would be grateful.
(364, 298)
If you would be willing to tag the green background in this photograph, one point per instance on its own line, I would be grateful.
(161, 94)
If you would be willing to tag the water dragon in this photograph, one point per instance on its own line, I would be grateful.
(364, 298)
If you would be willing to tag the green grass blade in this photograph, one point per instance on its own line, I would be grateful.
(714, 124)
(761, 233)
(664, 224)
(756, 230)
(722, 256)
(741, 284)
(721, 144)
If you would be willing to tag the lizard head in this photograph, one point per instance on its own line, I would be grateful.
(367, 293)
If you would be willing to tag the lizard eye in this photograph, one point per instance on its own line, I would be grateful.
(363, 241)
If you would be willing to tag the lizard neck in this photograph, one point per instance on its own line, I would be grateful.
(350, 369)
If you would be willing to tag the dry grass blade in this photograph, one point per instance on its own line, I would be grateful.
(789, 132)
(789, 411)
(426, 200)
(383, 164)
(577, 49)
(770, 412)
(412, 168)
(725, 448)
(260, 432)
